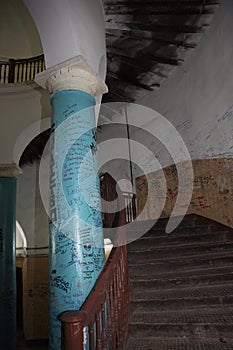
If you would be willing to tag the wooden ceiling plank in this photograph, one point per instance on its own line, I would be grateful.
(158, 2)
(134, 82)
(155, 28)
(141, 57)
(124, 64)
(182, 39)
(156, 72)
(178, 8)
(199, 20)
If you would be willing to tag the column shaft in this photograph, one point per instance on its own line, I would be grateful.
(76, 237)
(7, 263)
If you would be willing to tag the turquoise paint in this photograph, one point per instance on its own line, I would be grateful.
(76, 235)
(7, 263)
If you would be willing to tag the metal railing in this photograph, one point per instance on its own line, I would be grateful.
(21, 71)
(102, 321)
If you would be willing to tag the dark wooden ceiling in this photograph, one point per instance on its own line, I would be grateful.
(146, 40)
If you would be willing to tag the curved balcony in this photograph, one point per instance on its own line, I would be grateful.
(21, 70)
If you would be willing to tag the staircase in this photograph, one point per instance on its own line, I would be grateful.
(182, 287)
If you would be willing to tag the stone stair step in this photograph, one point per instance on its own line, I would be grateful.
(187, 238)
(177, 282)
(191, 297)
(184, 274)
(177, 250)
(201, 316)
(198, 330)
(153, 268)
(143, 305)
(185, 263)
(187, 292)
(203, 256)
(178, 343)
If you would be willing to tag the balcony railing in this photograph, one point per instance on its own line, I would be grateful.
(21, 71)
(101, 323)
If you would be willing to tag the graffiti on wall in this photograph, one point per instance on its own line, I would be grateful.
(212, 191)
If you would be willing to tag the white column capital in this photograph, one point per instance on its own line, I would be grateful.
(10, 170)
(73, 73)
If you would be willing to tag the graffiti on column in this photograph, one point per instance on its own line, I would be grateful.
(77, 255)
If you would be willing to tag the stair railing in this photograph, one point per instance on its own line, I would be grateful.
(101, 323)
(21, 70)
(130, 206)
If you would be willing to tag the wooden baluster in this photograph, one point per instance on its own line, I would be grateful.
(116, 306)
(11, 75)
(3, 69)
(119, 304)
(16, 73)
(24, 75)
(5, 73)
(28, 76)
(109, 317)
(124, 275)
(20, 73)
(92, 335)
(40, 66)
(98, 332)
(104, 327)
(113, 316)
(36, 67)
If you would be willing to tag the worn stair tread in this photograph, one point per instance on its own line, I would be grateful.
(185, 258)
(179, 343)
(179, 282)
(160, 242)
(175, 248)
(190, 220)
(160, 232)
(182, 293)
(178, 266)
(200, 316)
(177, 274)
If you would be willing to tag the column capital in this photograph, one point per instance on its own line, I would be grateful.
(73, 73)
(10, 170)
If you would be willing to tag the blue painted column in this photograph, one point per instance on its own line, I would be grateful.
(7, 258)
(76, 235)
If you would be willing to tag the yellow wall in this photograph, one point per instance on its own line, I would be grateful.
(212, 191)
(35, 296)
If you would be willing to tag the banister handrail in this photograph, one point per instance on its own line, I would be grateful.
(30, 59)
(102, 320)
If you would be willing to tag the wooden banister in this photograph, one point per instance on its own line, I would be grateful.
(101, 323)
